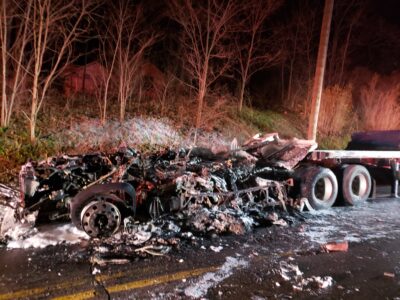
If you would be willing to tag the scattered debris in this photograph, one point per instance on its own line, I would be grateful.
(216, 249)
(291, 272)
(319, 282)
(153, 250)
(280, 222)
(336, 246)
(389, 274)
(97, 260)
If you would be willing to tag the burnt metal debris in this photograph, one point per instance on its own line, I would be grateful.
(230, 191)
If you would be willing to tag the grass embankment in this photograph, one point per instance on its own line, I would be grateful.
(286, 125)
(290, 125)
(16, 149)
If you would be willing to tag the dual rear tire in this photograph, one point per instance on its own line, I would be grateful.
(356, 184)
(321, 187)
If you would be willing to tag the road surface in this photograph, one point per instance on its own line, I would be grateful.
(270, 263)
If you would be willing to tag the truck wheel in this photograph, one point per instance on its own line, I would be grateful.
(320, 187)
(356, 184)
(98, 212)
(101, 217)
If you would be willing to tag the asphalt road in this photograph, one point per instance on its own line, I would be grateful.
(270, 263)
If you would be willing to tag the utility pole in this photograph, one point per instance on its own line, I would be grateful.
(320, 70)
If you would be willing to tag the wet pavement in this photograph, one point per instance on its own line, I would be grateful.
(278, 262)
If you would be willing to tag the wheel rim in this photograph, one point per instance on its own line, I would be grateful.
(359, 185)
(100, 218)
(323, 189)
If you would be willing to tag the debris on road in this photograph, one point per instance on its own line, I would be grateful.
(319, 282)
(389, 274)
(216, 248)
(291, 273)
(336, 246)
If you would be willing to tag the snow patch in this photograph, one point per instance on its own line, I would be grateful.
(157, 132)
(200, 286)
(372, 220)
(45, 236)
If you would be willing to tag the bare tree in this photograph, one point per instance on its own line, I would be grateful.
(135, 40)
(205, 40)
(56, 26)
(4, 30)
(345, 19)
(14, 62)
(254, 53)
(122, 51)
(296, 37)
(107, 46)
(162, 90)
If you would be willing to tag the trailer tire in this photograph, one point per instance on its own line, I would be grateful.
(356, 184)
(320, 187)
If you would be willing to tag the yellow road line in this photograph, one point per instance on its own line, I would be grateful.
(140, 283)
(78, 296)
(39, 290)
(105, 277)
(64, 285)
(159, 279)
(112, 289)
(22, 293)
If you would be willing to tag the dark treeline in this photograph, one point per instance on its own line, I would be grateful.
(200, 57)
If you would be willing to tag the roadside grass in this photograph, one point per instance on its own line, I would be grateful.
(287, 125)
(329, 142)
(16, 149)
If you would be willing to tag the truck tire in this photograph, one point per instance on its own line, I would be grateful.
(319, 186)
(101, 192)
(356, 184)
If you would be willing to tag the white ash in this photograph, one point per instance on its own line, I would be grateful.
(199, 287)
(49, 235)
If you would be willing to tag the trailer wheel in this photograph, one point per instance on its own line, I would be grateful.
(356, 184)
(320, 187)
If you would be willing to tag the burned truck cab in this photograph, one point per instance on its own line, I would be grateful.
(98, 192)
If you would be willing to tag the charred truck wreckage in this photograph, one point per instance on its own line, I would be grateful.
(98, 191)
(103, 193)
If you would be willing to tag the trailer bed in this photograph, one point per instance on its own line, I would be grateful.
(319, 155)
